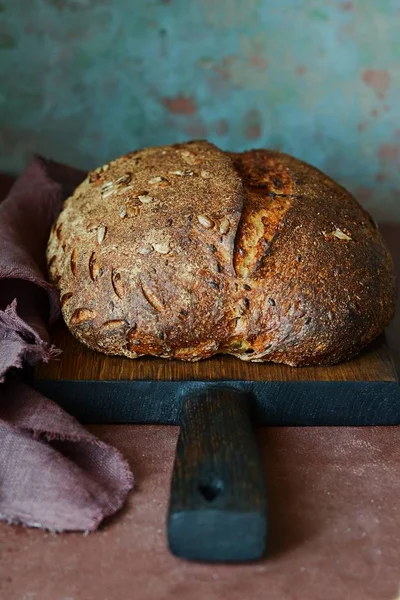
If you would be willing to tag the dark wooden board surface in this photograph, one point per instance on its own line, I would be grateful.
(80, 363)
(107, 389)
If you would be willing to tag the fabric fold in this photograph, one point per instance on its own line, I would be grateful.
(54, 474)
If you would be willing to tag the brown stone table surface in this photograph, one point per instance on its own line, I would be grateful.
(334, 514)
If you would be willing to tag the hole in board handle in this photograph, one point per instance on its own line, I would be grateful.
(211, 489)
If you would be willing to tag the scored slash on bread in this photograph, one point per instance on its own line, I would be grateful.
(186, 251)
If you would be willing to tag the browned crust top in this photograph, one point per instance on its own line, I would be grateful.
(184, 251)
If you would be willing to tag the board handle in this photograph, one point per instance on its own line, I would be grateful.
(217, 510)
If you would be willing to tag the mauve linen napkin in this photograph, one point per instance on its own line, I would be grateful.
(53, 473)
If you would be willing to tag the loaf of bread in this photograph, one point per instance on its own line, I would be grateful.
(186, 251)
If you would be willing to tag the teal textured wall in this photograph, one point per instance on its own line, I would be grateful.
(85, 80)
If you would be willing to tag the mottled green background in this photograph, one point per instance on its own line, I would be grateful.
(85, 80)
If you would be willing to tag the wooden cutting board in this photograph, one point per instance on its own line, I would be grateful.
(218, 505)
(108, 389)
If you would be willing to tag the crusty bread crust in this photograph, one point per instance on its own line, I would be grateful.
(186, 251)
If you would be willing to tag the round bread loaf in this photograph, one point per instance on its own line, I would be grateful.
(186, 251)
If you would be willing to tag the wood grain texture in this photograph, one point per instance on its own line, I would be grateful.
(218, 507)
(275, 402)
(106, 389)
(78, 362)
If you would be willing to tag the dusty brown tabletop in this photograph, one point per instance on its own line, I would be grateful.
(334, 515)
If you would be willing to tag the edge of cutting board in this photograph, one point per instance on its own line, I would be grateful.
(79, 363)
(104, 389)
